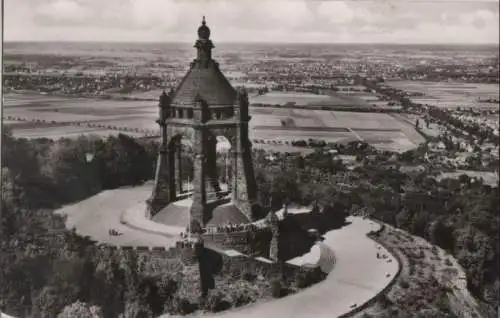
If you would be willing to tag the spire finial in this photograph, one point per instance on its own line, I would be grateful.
(203, 30)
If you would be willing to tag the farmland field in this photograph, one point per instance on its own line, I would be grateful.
(32, 116)
(381, 130)
(450, 94)
(282, 98)
(53, 116)
(154, 94)
(66, 132)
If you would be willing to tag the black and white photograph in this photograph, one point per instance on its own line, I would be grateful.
(250, 159)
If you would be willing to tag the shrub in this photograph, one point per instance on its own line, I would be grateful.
(216, 301)
(136, 309)
(404, 284)
(278, 289)
(421, 254)
(434, 250)
(249, 276)
(412, 269)
(242, 297)
(301, 280)
(384, 301)
(394, 312)
(236, 273)
(306, 279)
(80, 310)
(183, 305)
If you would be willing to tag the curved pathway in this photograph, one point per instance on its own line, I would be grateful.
(320, 255)
(358, 275)
(95, 216)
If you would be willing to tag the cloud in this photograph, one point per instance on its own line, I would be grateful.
(337, 12)
(254, 20)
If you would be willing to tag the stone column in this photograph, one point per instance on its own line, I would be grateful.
(161, 195)
(228, 163)
(171, 174)
(211, 165)
(179, 166)
(274, 245)
(199, 191)
(233, 158)
(242, 182)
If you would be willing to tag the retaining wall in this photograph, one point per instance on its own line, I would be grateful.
(247, 242)
(180, 253)
(217, 245)
(239, 264)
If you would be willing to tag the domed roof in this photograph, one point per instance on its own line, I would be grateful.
(209, 83)
(204, 79)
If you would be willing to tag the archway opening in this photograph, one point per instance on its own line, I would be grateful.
(181, 165)
(218, 169)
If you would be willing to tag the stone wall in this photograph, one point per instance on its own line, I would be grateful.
(239, 264)
(255, 243)
(175, 256)
(294, 240)
(216, 258)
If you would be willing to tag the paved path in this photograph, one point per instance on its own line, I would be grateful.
(124, 210)
(357, 277)
(134, 217)
(320, 255)
(96, 215)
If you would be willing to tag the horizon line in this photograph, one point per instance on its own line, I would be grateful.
(255, 42)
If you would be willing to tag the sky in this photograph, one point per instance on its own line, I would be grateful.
(289, 21)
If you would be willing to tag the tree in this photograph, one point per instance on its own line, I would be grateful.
(48, 302)
(81, 310)
(403, 219)
(419, 223)
(72, 176)
(122, 161)
(136, 309)
(441, 235)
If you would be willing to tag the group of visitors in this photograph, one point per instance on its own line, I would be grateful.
(114, 232)
(185, 243)
(231, 228)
